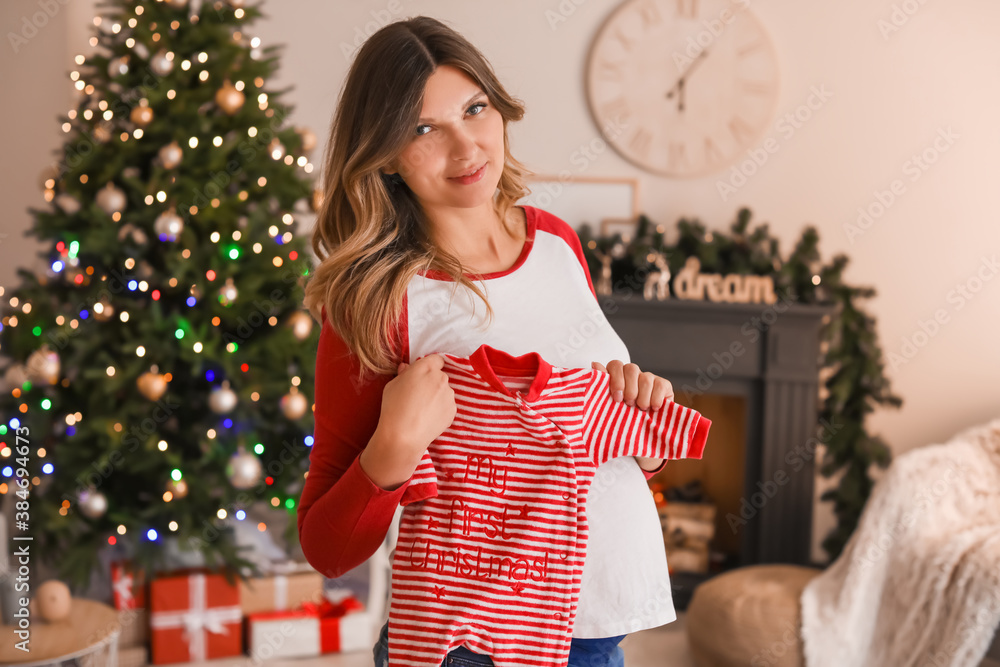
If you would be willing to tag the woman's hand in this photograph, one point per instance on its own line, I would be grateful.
(641, 389)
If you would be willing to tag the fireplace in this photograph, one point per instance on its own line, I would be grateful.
(754, 370)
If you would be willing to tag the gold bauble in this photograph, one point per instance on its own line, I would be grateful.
(228, 98)
(111, 199)
(43, 365)
(171, 154)
(223, 399)
(161, 64)
(178, 489)
(141, 115)
(276, 149)
(228, 293)
(152, 385)
(301, 323)
(102, 132)
(293, 404)
(103, 310)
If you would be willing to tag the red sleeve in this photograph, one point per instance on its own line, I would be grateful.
(343, 516)
(649, 473)
(561, 228)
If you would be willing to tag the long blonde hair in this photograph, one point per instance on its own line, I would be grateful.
(371, 235)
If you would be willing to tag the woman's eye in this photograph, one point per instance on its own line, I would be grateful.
(477, 104)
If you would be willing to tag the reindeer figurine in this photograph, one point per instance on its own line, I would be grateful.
(658, 280)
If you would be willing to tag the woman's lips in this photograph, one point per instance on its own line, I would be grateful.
(468, 180)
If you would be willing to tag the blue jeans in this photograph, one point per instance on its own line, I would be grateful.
(603, 652)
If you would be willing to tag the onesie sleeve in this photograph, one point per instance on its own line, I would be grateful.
(423, 483)
(613, 428)
(343, 516)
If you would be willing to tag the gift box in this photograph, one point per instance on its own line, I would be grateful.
(128, 586)
(311, 630)
(194, 616)
(287, 587)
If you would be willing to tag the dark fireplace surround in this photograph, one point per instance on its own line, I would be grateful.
(769, 355)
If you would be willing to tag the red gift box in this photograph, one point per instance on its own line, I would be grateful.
(312, 629)
(194, 616)
(128, 585)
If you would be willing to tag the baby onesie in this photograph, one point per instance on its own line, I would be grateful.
(493, 535)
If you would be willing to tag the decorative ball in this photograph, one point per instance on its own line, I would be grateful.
(152, 385)
(67, 203)
(301, 323)
(308, 139)
(92, 504)
(228, 293)
(102, 132)
(111, 199)
(15, 376)
(178, 488)
(53, 600)
(243, 470)
(161, 63)
(223, 399)
(228, 98)
(132, 233)
(171, 154)
(141, 115)
(144, 270)
(293, 404)
(177, 3)
(43, 366)
(118, 66)
(236, 3)
(276, 149)
(103, 310)
(168, 225)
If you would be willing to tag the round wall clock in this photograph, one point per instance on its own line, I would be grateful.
(682, 87)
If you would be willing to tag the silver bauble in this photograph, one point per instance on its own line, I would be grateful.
(93, 504)
(161, 64)
(118, 66)
(171, 154)
(301, 324)
(276, 149)
(132, 233)
(168, 226)
(223, 399)
(228, 293)
(294, 404)
(67, 203)
(243, 470)
(111, 199)
(15, 375)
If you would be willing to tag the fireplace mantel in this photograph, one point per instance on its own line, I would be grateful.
(769, 355)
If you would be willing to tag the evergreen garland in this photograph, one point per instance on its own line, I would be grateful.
(852, 375)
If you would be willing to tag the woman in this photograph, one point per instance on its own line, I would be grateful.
(418, 221)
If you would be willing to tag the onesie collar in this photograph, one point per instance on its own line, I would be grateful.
(485, 359)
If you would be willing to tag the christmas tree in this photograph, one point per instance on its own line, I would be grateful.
(158, 364)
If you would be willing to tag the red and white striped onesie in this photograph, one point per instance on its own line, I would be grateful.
(493, 537)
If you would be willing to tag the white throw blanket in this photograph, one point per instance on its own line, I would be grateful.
(918, 583)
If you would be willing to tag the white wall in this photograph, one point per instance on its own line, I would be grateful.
(890, 97)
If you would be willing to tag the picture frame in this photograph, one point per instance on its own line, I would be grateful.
(624, 226)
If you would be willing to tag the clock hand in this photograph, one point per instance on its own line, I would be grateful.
(679, 85)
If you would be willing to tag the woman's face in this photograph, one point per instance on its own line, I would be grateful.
(458, 133)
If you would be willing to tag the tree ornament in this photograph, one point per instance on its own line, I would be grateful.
(92, 504)
(144, 270)
(308, 139)
(293, 404)
(236, 4)
(301, 324)
(15, 375)
(102, 131)
(133, 234)
(43, 365)
(228, 98)
(222, 399)
(161, 63)
(243, 470)
(152, 384)
(111, 199)
(142, 115)
(178, 4)
(171, 154)
(68, 203)
(177, 488)
(168, 225)
(53, 601)
(228, 293)
(118, 66)
(103, 310)
(276, 149)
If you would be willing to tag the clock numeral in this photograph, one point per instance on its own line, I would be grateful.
(629, 44)
(617, 110)
(650, 13)
(687, 9)
(640, 142)
(610, 71)
(712, 152)
(741, 129)
(677, 155)
(756, 87)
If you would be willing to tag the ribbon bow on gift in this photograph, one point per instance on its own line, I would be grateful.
(123, 589)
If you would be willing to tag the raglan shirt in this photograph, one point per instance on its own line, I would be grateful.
(544, 303)
(493, 537)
